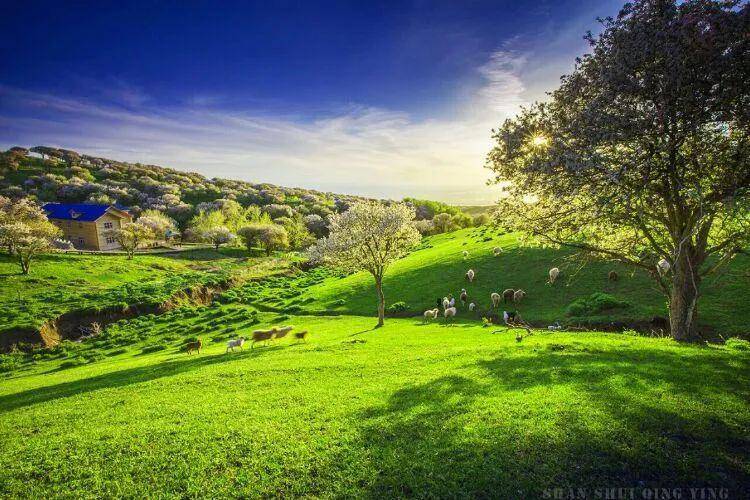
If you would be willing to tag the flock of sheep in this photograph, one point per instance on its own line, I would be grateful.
(508, 295)
(258, 336)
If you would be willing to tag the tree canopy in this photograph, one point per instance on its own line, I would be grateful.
(642, 153)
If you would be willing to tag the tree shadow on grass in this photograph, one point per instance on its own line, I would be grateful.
(123, 378)
(508, 434)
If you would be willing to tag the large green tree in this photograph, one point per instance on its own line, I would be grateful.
(642, 154)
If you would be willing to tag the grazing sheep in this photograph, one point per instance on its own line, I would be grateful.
(497, 251)
(430, 314)
(508, 295)
(663, 267)
(470, 275)
(553, 274)
(463, 297)
(262, 336)
(495, 298)
(518, 296)
(613, 276)
(282, 332)
(449, 313)
(472, 306)
(301, 335)
(194, 346)
(235, 343)
(466, 254)
(446, 303)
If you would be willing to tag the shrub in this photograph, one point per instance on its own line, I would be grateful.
(73, 362)
(738, 344)
(117, 352)
(10, 362)
(593, 304)
(398, 307)
(153, 348)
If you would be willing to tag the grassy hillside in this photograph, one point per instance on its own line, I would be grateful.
(438, 268)
(409, 410)
(59, 283)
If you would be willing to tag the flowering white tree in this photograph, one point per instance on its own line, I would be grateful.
(368, 237)
(25, 230)
(131, 235)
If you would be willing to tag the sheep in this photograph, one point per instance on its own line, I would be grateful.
(194, 346)
(262, 336)
(465, 254)
(495, 298)
(282, 332)
(663, 267)
(235, 343)
(472, 306)
(613, 276)
(470, 275)
(301, 335)
(446, 303)
(463, 296)
(430, 314)
(497, 251)
(553, 274)
(449, 313)
(508, 295)
(518, 296)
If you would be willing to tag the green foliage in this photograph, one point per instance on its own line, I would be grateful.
(593, 304)
(738, 344)
(398, 307)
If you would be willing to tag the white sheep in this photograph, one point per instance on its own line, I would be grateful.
(518, 296)
(495, 298)
(235, 343)
(470, 275)
(472, 306)
(446, 303)
(497, 251)
(553, 274)
(430, 314)
(449, 312)
(463, 296)
(663, 267)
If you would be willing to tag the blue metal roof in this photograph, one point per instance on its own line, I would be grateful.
(85, 212)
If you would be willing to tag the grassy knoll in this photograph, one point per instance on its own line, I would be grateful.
(406, 410)
(438, 268)
(59, 283)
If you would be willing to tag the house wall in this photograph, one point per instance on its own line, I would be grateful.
(103, 225)
(83, 235)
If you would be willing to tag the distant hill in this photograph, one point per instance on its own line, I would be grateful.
(52, 174)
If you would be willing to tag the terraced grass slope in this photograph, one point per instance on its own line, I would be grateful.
(438, 268)
(407, 410)
(60, 283)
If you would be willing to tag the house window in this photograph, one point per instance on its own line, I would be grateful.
(80, 225)
(110, 240)
(107, 225)
(70, 224)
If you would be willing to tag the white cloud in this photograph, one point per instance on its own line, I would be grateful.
(361, 150)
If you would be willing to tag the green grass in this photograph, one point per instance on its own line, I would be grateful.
(438, 268)
(407, 410)
(59, 283)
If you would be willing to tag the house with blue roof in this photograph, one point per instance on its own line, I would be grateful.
(86, 224)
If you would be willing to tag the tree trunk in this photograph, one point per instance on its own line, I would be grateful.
(24, 264)
(381, 301)
(683, 302)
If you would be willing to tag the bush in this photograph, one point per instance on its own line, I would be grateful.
(153, 348)
(73, 362)
(117, 352)
(398, 307)
(738, 344)
(10, 362)
(593, 304)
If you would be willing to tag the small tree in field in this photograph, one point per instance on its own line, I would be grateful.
(25, 230)
(130, 236)
(218, 236)
(250, 234)
(274, 237)
(643, 153)
(368, 237)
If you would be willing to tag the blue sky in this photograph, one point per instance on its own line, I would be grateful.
(385, 99)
